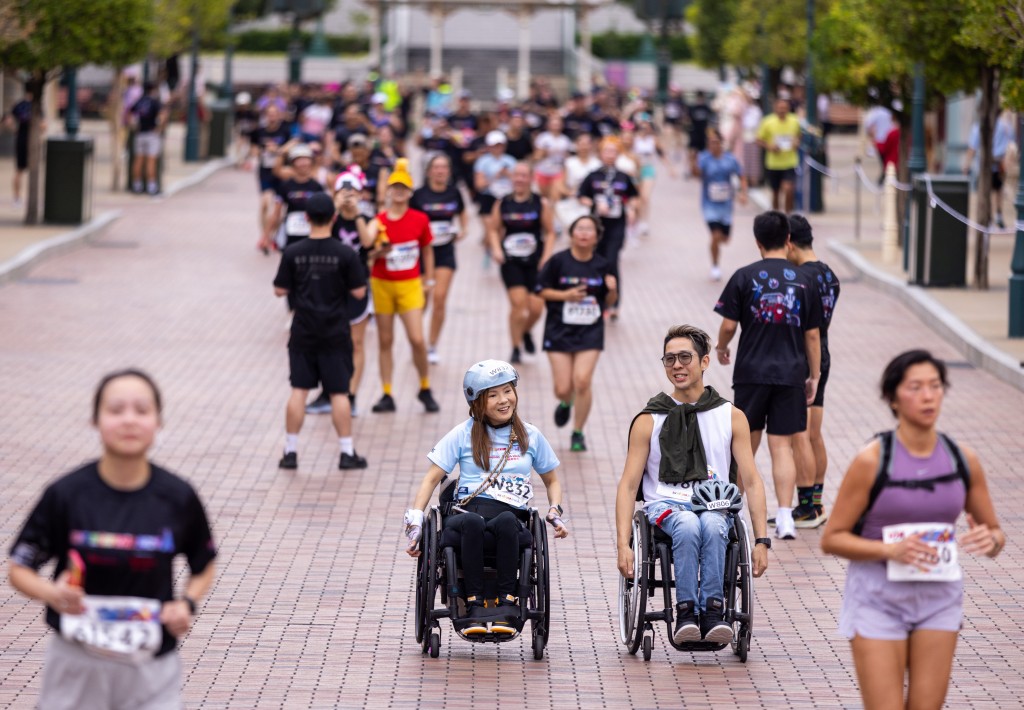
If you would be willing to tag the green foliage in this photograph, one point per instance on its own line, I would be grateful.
(177, 19)
(626, 45)
(996, 29)
(772, 33)
(713, 20)
(276, 41)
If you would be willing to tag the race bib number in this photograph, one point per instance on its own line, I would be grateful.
(613, 203)
(941, 537)
(784, 142)
(126, 628)
(296, 224)
(511, 489)
(681, 492)
(403, 257)
(268, 159)
(520, 244)
(367, 209)
(719, 191)
(501, 187)
(672, 111)
(444, 232)
(585, 312)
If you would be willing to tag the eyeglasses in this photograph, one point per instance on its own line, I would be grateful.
(685, 358)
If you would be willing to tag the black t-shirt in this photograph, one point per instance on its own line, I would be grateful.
(147, 109)
(127, 539)
(520, 148)
(699, 114)
(294, 195)
(522, 223)
(22, 113)
(564, 272)
(605, 124)
(347, 232)
(612, 186)
(379, 159)
(343, 133)
(443, 209)
(674, 110)
(466, 126)
(576, 123)
(774, 302)
(319, 273)
(266, 137)
(827, 285)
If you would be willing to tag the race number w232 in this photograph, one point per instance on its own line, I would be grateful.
(125, 628)
(941, 537)
(514, 490)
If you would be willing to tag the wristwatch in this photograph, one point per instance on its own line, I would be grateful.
(191, 605)
(766, 541)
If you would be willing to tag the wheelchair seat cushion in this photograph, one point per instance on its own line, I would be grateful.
(452, 538)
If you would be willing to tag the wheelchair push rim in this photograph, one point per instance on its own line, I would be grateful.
(633, 592)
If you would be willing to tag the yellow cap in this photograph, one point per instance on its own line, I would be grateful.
(400, 175)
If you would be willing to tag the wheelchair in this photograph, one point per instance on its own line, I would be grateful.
(438, 573)
(652, 570)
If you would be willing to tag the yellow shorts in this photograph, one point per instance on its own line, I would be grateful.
(391, 297)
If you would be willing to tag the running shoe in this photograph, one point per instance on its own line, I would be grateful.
(516, 358)
(384, 404)
(822, 515)
(808, 517)
(528, 344)
(350, 461)
(712, 623)
(785, 529)
(716, 273)
(686, 623)
(474, 628)
(577, 443)
(432, 357)
(562, 414)
(427, 398)
(320, 405)
(289, 461)
(502, 627)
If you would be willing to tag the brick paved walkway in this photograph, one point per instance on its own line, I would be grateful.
(312, 603)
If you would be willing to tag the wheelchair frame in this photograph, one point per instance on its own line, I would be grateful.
(437, 570)
(652, 556)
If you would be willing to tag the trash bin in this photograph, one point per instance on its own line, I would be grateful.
(937, 253)
(222, 116)
(68, 187)
(130, 153)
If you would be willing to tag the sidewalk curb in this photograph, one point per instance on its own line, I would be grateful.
(978, 351)
(29, 257)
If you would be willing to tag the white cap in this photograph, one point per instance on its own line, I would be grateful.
(300, 151)
(495, 138)
(379, 98)
(506, 94)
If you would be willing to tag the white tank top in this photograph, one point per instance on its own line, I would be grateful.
(715, 435)
(645, 148)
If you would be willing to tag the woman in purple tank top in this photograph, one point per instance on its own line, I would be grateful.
(894, 519)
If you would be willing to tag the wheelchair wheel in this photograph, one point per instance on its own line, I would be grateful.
(538, 647)
(541, 560)
(633, 592)
(426, 579)
(434, 644)
(744, 602)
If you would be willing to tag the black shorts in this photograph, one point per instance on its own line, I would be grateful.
(819, 398)
(723, 228)
(783, 406)
(358, 308)
(444, 256)
(21, 153)
(997, 180)
(266, 179)
(698, 140)
(485, 202)
(777, 177)
(562, 338)
(519, 272)
(331, 368)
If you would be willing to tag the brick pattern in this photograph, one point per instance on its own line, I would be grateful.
(313, 602)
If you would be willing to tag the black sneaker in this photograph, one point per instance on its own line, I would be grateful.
(289, 461)
(470, 626)
(352, 460)
(320, 405)
(577, 442)
(528, 345)
(562, 412)
(807, 517)
(384, 404)
(712, 623)
(428, 400)
(516, 358)
(686, 623)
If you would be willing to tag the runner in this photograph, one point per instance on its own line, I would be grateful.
(812, 458)
(551, 148)
(894, 518)
(400, 238)
(492, 177)
(114, 527)
(779, 135)
(675, 109)
(610, 194)
(442, 202)
(320, 275)
(577, 285)
(698, 117)
(20, 118)
(647, 148)
(521, 240)
(577, 167)
(374, 177)
(778, 361)
(295, 186)
(149, 116)
(716, 168)
(266, 141)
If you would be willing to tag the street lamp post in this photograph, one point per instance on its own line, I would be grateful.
(295, 52)
(917, 163)
(192, 121)
(1017, 261)
(72, 117)
(813, 182)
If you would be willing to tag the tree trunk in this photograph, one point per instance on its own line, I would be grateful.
(988, 111)
(35, 147)
(116, 129)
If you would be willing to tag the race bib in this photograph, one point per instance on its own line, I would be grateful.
(269, 159)
(941, 537)
(296, 224)
(367, 209)
(585, 312)
(681, 492)
(719, 191)
(403, 257)
(612, 202)
(501, 187)
(512, 489)
(444, 232)
(784, 142)
(520, 244)
(126, 628)
(672, 111)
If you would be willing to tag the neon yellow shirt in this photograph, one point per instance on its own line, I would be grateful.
(783, 134)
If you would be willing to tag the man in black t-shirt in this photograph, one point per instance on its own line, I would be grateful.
(778, 361)
(293, 193)
(21, 118)
(148, 118)
(320, 274)
(698, 117)
(578, 118)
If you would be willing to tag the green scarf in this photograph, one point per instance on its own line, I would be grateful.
(682, 451)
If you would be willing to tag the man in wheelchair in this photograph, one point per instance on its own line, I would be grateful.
(686, 451)
(495, 451)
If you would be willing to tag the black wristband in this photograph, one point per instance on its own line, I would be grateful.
(557, 508)
(766, 541)
(191, 604)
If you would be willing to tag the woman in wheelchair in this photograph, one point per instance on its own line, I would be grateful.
(495, 451)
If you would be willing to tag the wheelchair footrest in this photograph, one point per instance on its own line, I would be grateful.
(663, 615)
(440, 613)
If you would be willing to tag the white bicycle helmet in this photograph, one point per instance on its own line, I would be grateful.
(487, 374)
(715, 495)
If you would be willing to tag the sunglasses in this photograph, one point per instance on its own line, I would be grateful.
(669, 359)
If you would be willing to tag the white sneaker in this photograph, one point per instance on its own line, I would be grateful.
(432, 357)
(785, 529)
(716, 273)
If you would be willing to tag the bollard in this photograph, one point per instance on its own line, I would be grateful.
(890, 225)
(856, 200)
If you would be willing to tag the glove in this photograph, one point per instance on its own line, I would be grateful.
(554, 518)
(413, 527)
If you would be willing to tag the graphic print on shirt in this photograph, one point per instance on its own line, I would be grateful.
(776, 303)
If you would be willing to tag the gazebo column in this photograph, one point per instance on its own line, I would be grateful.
(437, 16)
(584, 73)
(523, 74)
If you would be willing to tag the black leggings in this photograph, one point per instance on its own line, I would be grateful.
(505, 528)
(611, 244)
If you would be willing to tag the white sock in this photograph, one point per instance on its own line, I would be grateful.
(291, 443)
(783, 514)
(347, 447)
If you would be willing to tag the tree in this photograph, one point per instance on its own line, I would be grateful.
(773, 34)
(712, 20)
(68, 33)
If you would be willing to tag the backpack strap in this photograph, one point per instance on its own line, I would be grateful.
(885, 440)
(962, 469)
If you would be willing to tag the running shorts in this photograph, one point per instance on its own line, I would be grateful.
(519, 272)
(332, 368)
(783, 407)
(391, 297)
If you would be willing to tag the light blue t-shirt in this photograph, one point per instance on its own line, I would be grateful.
(716, 185)
(456, 448)
(1001, 138)
(489, 166)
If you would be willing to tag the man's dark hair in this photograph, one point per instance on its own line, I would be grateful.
(800, 231)
(320, 209)
(149, 86)
(700, 339)
(771, 229)
(897, 368)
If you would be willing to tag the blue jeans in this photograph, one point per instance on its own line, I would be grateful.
(696, 540)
